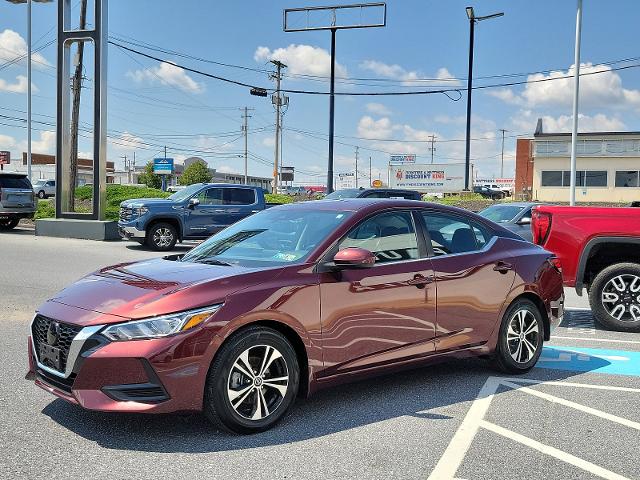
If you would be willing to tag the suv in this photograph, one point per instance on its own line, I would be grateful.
(598, 248)
(374, 193)
(487, 192)
(17, 199)
(44, 188)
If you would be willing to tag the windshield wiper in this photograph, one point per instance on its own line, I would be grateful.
(213, 261)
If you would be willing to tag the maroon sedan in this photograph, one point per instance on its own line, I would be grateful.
(291, 300)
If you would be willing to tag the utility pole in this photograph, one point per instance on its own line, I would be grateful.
(133, 169)
(245, 129)
(357, 167)
(76, 85)
(370, 177)
(432, 148)
(277, 99)
(126, 167)
(502, 154)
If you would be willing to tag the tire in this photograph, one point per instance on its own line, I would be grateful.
(225, 377)
(614, 296)
(162, 237)
(9, 224)
(510, 342)
(41, 194)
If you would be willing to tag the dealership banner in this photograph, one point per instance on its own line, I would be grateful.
(401, 159)
(505, 183)
(431, 178)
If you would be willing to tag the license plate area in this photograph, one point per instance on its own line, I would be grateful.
(50, 356)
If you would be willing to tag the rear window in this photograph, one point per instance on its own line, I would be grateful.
(239, 196)
(7, 181)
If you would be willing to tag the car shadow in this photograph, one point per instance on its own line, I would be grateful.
(180, 247)
(413, 393)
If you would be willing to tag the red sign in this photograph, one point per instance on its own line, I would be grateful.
(5, 157)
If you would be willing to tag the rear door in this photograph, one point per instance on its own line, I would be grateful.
(16, 193)
(473, 276)
(239, 203)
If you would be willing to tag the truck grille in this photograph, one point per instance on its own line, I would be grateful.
(125, 213)
(65, 335)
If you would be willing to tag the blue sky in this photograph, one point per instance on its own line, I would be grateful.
(152, 104)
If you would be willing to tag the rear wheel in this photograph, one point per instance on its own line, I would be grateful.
(41, 194)
(162, 237)
(9, 224)
(253, 381)
(614, 296)
(521, 338)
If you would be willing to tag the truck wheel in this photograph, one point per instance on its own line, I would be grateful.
(162, 237)
(614, 296)
(41, 194)
(9, 224)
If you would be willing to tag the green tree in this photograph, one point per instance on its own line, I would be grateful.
(149, 178)
(197, 172)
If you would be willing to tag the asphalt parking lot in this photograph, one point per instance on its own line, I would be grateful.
(575, 416)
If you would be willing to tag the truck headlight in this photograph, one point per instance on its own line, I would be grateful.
(139, 211)
(158, 327)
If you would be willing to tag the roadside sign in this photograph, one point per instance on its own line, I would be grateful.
(429, 178)
(346, 180)
(5, 157)
(402, 159)
(376, 183)
(286, 174)
(163, 166)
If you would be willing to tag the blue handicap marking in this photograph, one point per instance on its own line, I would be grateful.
(613, 362)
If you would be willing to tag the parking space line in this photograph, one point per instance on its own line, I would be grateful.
(473, 421)
(553, 452)
(603, 340)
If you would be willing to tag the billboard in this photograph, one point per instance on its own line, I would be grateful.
(5, 157)
(163, 166)
(346, 180)
(503, 183)
(286, 174)
(401, 159)
(431, 178)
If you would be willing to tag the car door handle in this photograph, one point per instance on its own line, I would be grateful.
(420, 281)
(502, 267)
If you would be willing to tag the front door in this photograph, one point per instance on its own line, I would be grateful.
(384, 313)
(472, 278)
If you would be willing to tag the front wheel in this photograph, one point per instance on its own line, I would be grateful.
(614, 297)
(520, 338)
(252, 382)
(9, 224)
(162, 237)
(41, 194)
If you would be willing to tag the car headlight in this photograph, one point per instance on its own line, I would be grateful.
(139, 211)
(158, 327)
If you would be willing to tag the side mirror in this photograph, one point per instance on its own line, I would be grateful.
(193, 202)
(524, 221)
(354, 257)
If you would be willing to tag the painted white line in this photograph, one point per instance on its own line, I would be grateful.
(553, 452)
(457, 449)
(570, 384)
(577, 406)
(603, 340)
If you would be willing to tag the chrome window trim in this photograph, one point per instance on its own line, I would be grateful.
(74, 350)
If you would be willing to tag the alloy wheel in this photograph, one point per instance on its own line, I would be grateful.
(258, 382)
(162, 237)
(522, 336)
(621, 298)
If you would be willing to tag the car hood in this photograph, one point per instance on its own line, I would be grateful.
(153, 287)
(146, 202)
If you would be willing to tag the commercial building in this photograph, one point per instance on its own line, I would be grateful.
(44, 167)
(607, 167)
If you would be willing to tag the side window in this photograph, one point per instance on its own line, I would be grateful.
(390, 236)
(211, 196)
(239, 196)
(376, 195)
(452, 234)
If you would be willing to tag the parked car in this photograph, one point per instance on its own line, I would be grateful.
(44, 188)
(291, 300)
(512, 216)
(487, 192)
(598, 248)
(495, 187)
(194, 212)
(374, 193)
(17, 199)
(292, 190)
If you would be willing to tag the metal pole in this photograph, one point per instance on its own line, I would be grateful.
(370, 178)
(356, 167)
(576, 88)
(278, 99)
(29, 89)
(502, 155)
(246, 153)
(472, 23)
(331, 111)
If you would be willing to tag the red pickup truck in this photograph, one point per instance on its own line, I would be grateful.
(598, 249)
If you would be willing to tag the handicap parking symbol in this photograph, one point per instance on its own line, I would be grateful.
(613, 362)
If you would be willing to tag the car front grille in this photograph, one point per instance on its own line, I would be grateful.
(64, 384)
(126, 214)
(65, 335)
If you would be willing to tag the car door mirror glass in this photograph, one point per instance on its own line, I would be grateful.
(354, 257)
(524, 221)
(193, 202)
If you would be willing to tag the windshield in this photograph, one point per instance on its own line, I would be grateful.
(501, 213)
(338, 194)
(185, 193)
(278, 236)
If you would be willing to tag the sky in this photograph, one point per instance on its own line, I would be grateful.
(424, 46)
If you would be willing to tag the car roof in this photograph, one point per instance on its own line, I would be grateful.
(13, 174)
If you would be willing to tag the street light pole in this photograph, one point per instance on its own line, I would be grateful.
(576, 88)
(472, 22)
(29, 89)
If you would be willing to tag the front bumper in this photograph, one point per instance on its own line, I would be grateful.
(146, 376)
(129, 232)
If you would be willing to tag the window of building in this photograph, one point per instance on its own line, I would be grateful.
(589, 147)
(628, 178)
(584, 178)
(595, 178)
(551, 178)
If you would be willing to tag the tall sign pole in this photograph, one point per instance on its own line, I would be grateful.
(576, 93)
(277, 98)
(332, 106)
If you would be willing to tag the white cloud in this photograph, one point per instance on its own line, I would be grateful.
(126, 141)
(225, 169)
(167, 74)
(269, 142)
(409, 77)
(373, 129)
(13, 46)
(20, 85)
(301, 60)
(596, 90)
(526, 120)
(45, 144)
(378, 109)
(7, 142)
